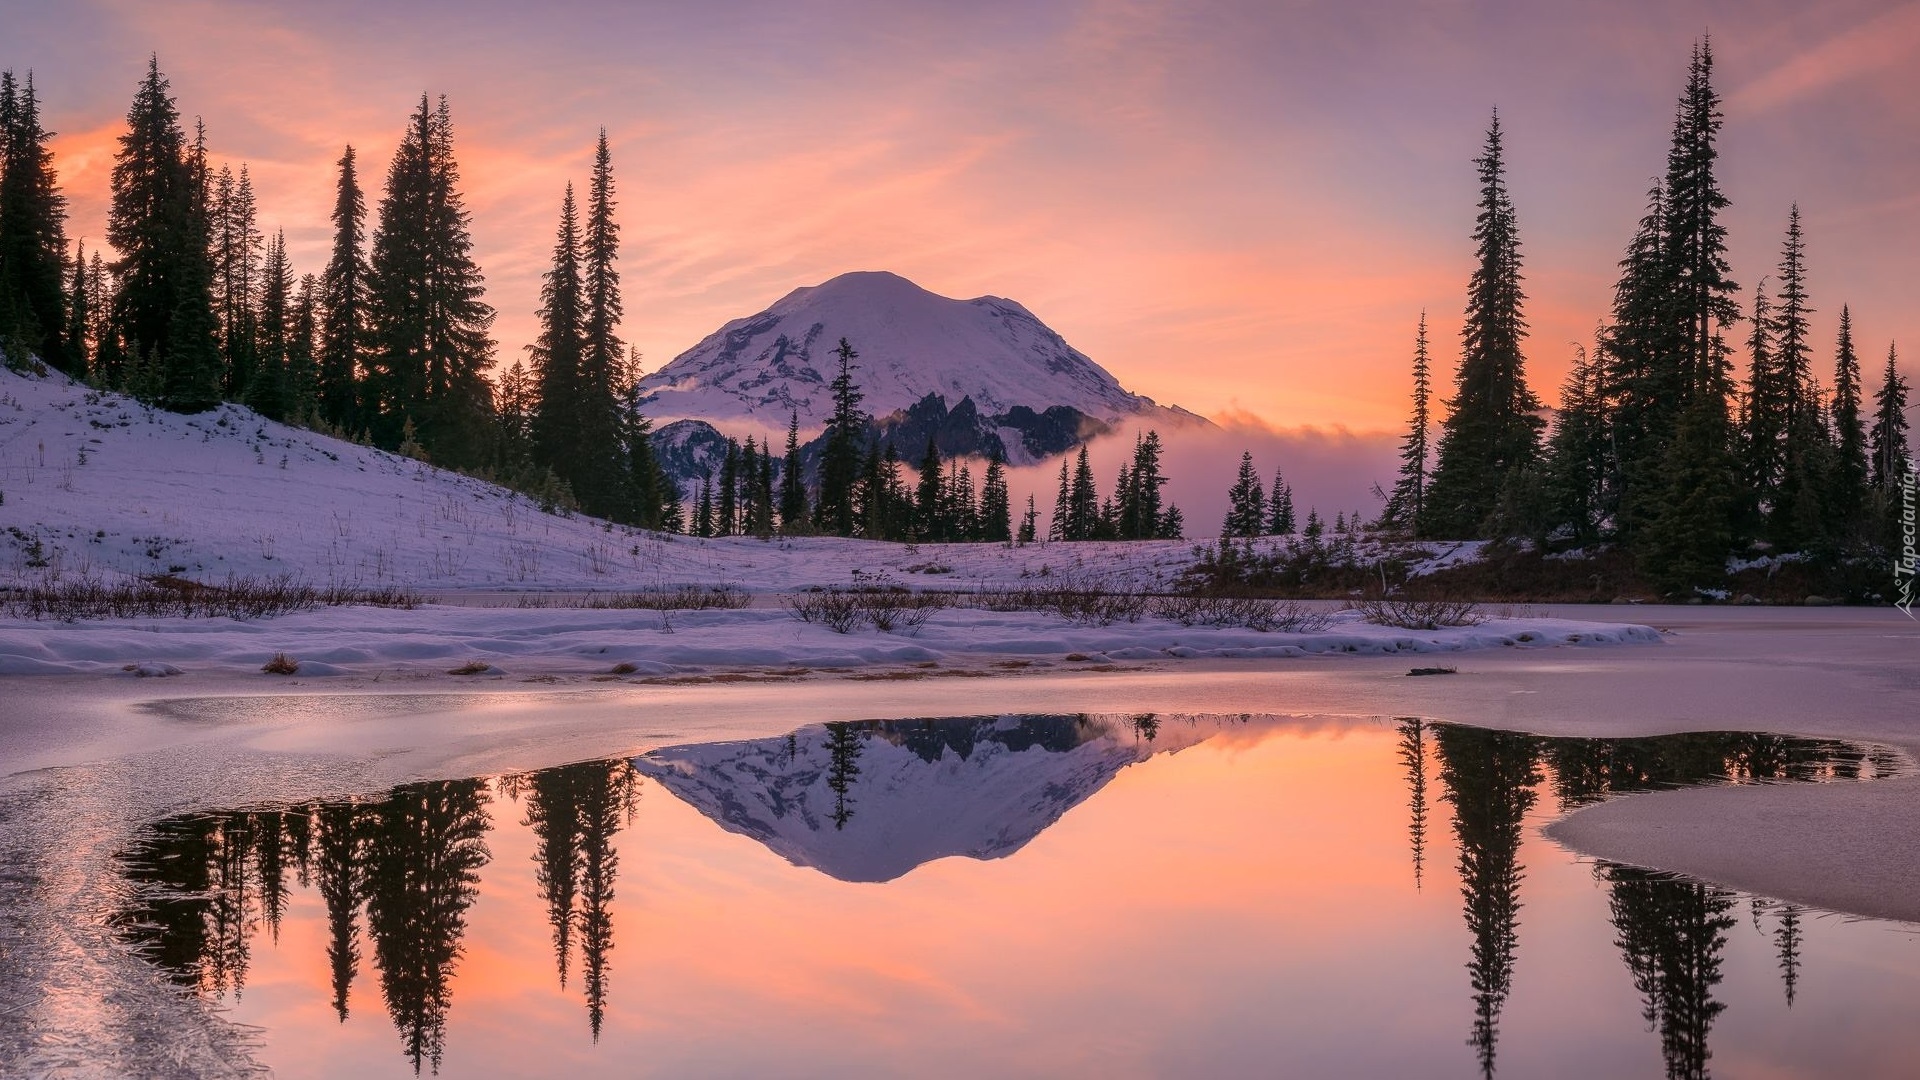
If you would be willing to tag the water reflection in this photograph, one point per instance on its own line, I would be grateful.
(395, 882)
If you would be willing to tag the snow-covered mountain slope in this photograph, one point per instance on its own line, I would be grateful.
(917, 790)
(96, 481)
(911, 343)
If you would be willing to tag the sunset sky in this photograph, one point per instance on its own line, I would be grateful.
(1240, 208)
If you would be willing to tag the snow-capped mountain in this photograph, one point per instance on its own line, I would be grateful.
(913, 790)
(911, 342)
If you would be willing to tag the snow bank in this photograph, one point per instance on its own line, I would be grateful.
(515, 641)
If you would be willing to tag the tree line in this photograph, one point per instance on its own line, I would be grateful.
(1656, 444)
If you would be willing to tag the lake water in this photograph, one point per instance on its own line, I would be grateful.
(1035, 895)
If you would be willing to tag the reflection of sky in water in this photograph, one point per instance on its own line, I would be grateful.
(1245, 905)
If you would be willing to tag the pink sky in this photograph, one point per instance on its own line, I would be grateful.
(1240, 208)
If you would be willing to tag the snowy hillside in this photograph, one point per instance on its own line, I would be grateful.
(95, 481)
(918, 790)
(911, 343)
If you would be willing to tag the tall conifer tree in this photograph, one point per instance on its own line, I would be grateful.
(1851, 467)
(599, 480)
(343, 304)
(33, 243)
(840, 458)
(1407, 504)
(1889, 439)
(1492, 429)
(793, 486)
(556, 353)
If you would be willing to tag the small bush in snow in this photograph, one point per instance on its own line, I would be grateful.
(281, 664)
(837, 610)
(896, 607)
(1410, 613)
(1082, 600)
(1253, 613)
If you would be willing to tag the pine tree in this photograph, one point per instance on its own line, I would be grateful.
(1280, 507)
(1407, 504)
(157, 224)
(556, 354)
(1315, 527)
(929, 515)
(1764, 425)
(1246, 502)
(1851, 467)
(996, 505)
(1029, 522)
(343, 305)
(1142, 510)
(840, 458)
(1083, 502)
(266, 388)
(599, 479)
(1686, 542)
(703, 512)
(428, 343)
(1696, 240)
(1062, 504)
(33, 243)
(1889, 439)
(1636, 376)
(79, 330)
(793, 487)
(1576, 461)
(237, 248)
(1492, 427)
(726, 497)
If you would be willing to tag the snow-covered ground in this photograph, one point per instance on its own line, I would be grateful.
(95, 484)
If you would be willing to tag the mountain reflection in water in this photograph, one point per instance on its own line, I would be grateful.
(388, 889)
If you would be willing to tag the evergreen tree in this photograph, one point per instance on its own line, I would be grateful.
(1851, 467)
(266, 388)
(236, 248)
(1142, 513)
(703, 509)
(556, 354)
(428, 343)
(793, 487)
(1083, 502)
(1315, 527)
(343, 305)
(518, 399)
(1029, 522)
(1763, 425)
(1407, 503)
(301, 389)
(1696, 240)
(929, 515)
(1062, 501)
(1280, 506)
(599, 479)
(1636, 376)
(79, 330)
(157, 223)
(726, 498)
(1889, 440)
(1687, 539)
(1246, 502)
(840, 458)
(996, 505)
(1576, 463)
(33, 243)
(1492, 427)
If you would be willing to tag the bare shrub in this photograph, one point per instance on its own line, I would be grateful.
(71, 597)
(623, 668)
(1419, 613)
(836, 609)
(897, 607)
(1078, 599)
(1253, 613)
(471, 667)
(281, 664)
(678, 598)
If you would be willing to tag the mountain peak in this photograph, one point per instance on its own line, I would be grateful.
(912, 342)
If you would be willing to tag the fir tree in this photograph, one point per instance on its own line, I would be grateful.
(518, 399)
(1636, 376)
(300, 396)
(1764, 423)
(1696, 240)
(80, 317)
(1280, 506)
(840, 458)
(33, 244)
(343, 305)
(1889, 440)
(428, 343)
(726, 498)
(599, 479)
(1576, 461)
(929, 513)
(238, 282)
(793, 487)
(1686, 540)
(1246, 502)
(1492, 427)
(157, 223)
(556, 354)
(1062, 502)
(1029, 522)
(996, 505)
(1851, 467)
(1406, 505)
(266, 388)
(1083, 502)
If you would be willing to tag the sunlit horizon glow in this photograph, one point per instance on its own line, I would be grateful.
(1239, 208)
